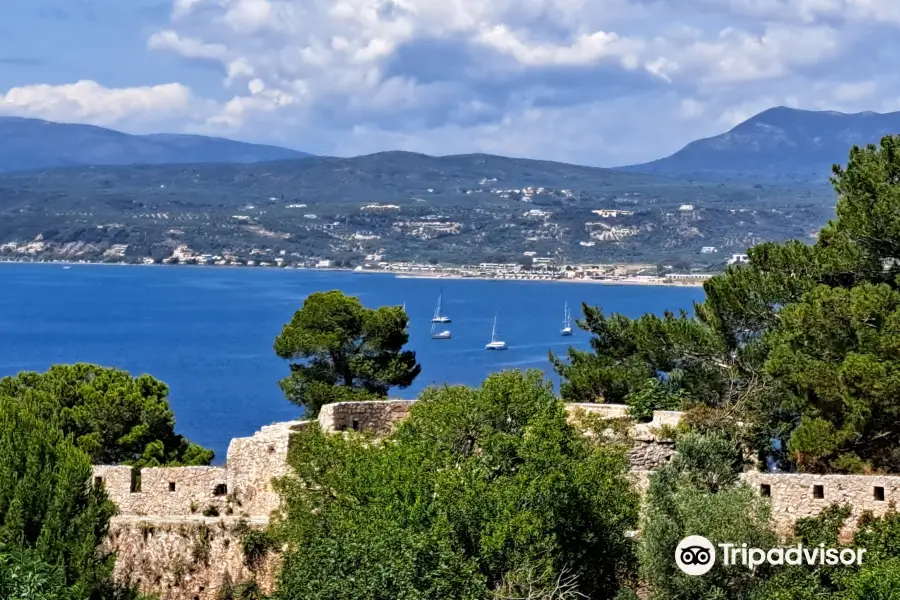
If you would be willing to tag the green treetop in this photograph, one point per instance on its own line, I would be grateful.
(114, 417)
(800, 344)
(51, 519)
(340, 350)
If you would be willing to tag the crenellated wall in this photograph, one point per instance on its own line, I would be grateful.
(173, 491)
(179, 530)
(243, 486)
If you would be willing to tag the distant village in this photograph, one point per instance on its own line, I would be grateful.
(532, 267)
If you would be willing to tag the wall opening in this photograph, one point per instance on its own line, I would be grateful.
(765, 490)
(355, 425)
(220, 490)
(98, 482)
(818, 492)
(171, 486)
(135, 481)
(879, 493)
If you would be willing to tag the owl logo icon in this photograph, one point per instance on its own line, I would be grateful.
(695, 555)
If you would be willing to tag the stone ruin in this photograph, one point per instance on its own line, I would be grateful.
(179, 530)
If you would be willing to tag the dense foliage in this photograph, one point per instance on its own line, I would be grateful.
(340, 350)
(481, 493)
(114, 417)
(801, 344)
(51, 519)
(696, 494)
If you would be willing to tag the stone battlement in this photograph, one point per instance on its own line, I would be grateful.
(179, 531)
(243, 486)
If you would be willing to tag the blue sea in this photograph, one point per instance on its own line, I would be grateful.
(208, 332)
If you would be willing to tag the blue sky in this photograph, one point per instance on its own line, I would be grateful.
(597, 82)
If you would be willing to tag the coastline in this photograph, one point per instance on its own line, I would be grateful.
(582, 280)
(618, 280)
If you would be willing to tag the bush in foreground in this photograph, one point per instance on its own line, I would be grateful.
(481, 493)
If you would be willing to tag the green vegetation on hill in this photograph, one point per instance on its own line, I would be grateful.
(452, 210)
(52, 520)
(698, 494)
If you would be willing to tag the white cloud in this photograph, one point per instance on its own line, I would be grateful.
(90, 102)
(186, 47)
(803, 11)
(738, 56)
(854, 91)
(586, 49)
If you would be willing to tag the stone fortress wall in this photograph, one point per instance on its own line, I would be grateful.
(179, 530)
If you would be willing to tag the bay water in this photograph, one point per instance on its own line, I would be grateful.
(208, 331)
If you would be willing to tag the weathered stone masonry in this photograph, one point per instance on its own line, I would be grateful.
(179, 531)
(802, 495)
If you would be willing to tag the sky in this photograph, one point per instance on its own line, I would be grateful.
(593, 82)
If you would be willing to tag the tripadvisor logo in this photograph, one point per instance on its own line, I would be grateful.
(696, 555)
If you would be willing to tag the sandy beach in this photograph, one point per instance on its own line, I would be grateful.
(658, 282)
(609, 281)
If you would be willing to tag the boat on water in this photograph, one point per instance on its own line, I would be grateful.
(439, 335)
(567, 322)
(438, 317)
(495, 344)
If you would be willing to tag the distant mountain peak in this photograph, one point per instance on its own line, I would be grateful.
(27, 143)
(778, 142)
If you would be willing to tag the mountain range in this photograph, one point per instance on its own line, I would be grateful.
(30, 144)
(780, 143)
(777, 143)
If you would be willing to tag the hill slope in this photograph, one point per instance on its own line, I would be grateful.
(396, 205)
(36, 144)
(778, 143)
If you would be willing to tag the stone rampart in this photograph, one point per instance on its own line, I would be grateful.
(177, 533)
(187, 558)
(243, 487)
(173, 491)
(378, 417)
(796, 495)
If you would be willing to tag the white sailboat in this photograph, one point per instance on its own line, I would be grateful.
(438, 317)
(439, 335)
(567, 322)
(495, 343)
